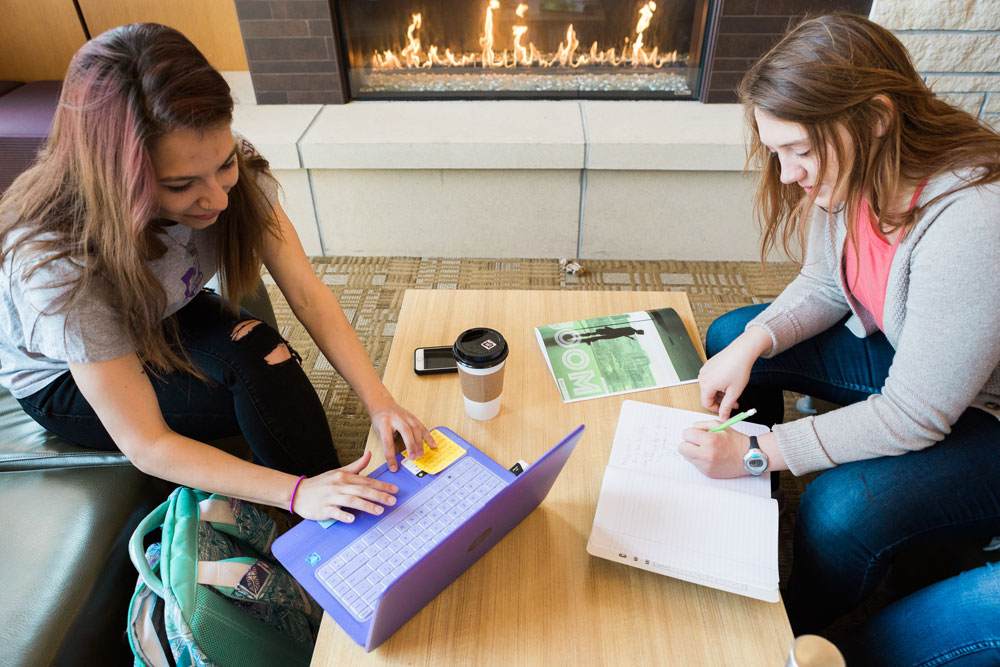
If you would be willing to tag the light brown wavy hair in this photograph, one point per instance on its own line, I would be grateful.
(90, 199)
(842, 70)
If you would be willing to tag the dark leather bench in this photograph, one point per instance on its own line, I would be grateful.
(68, 512)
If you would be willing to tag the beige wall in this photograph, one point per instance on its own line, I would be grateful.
(39, 37)
(211, 24)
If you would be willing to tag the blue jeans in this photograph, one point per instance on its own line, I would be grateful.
(273, 405)
(954, 622)
(853, 519)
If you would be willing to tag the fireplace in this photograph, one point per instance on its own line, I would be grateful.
(446, 49)
(332, 51)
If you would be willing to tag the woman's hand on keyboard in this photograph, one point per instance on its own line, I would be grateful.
(326, 496)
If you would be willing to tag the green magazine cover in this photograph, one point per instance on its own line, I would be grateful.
(617, 354)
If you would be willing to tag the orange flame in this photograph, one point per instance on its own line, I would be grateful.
(566, 55)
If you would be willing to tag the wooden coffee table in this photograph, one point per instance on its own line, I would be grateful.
(538, 597)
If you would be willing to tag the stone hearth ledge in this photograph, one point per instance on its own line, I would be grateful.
(401, 178)
(610, 135)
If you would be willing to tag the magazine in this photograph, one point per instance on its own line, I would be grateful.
(604, 356)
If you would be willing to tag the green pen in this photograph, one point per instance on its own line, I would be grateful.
(733, 420)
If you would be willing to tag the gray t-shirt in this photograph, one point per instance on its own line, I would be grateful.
(37, 344)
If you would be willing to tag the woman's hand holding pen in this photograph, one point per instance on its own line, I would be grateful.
(718, 454)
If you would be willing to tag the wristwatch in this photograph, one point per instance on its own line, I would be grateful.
(755, 460)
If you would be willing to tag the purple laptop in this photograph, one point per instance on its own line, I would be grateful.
(374, 574)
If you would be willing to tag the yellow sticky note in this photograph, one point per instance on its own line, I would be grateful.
(435, 460)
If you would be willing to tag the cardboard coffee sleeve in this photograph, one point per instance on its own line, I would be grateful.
(481, 388)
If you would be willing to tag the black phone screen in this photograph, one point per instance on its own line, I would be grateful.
(438, 358)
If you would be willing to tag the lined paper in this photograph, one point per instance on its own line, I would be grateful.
(658, 512)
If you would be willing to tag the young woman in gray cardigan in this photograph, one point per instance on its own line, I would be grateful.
(895, 315)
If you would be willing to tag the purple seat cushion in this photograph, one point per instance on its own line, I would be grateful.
(27, 110)
(7, 86)
(25, 118)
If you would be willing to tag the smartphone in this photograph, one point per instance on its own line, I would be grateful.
(427, 360)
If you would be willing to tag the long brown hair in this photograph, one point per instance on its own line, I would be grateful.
(90, 198)
(842, 70)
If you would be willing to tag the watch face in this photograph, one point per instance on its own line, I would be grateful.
(755, 462)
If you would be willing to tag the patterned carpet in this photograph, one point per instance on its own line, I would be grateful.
(370, 290)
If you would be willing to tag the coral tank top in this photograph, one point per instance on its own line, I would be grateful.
(867, 270)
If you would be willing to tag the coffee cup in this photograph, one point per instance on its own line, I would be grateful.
(481, 355)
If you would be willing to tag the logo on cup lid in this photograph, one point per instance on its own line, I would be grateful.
(480, 348)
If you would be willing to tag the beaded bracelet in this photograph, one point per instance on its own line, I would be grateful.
(291, 504)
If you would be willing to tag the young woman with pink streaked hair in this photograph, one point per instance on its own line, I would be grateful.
(107, 335)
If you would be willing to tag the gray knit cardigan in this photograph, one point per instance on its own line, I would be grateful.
(942, 316)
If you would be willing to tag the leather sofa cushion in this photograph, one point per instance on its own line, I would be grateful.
(66, 576)
(24, 445)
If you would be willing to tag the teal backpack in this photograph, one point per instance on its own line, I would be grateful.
(210, 595)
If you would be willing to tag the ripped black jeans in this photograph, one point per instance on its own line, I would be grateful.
(267, 399)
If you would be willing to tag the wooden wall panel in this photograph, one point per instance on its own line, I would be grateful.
(211, 24)
(38, 38)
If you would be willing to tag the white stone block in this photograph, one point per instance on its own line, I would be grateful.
(274, 129)
(953, 51)
(446, 135)
(963, 83)
(992, 119)
(665, 135)
(937, 14)
(295, 196)
(240, 86)
(448, 212)
(992, 103)
(971, 102)
(682, 215)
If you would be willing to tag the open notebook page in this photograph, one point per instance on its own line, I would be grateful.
(657, 512)
(647, 437)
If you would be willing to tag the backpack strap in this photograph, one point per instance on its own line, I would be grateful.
(137, 552)
(224, 573)
(216, 510)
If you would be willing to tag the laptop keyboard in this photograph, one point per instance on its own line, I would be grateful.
(358, 574)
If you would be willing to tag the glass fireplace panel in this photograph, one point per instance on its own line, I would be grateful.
(469, 49)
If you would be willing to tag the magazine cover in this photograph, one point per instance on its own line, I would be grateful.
(617, 354)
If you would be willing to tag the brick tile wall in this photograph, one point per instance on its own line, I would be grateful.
(292, 51)
(748, 28)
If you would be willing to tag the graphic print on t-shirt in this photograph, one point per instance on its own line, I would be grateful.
(192, 277)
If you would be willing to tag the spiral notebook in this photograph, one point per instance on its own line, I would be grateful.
(657, 512)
